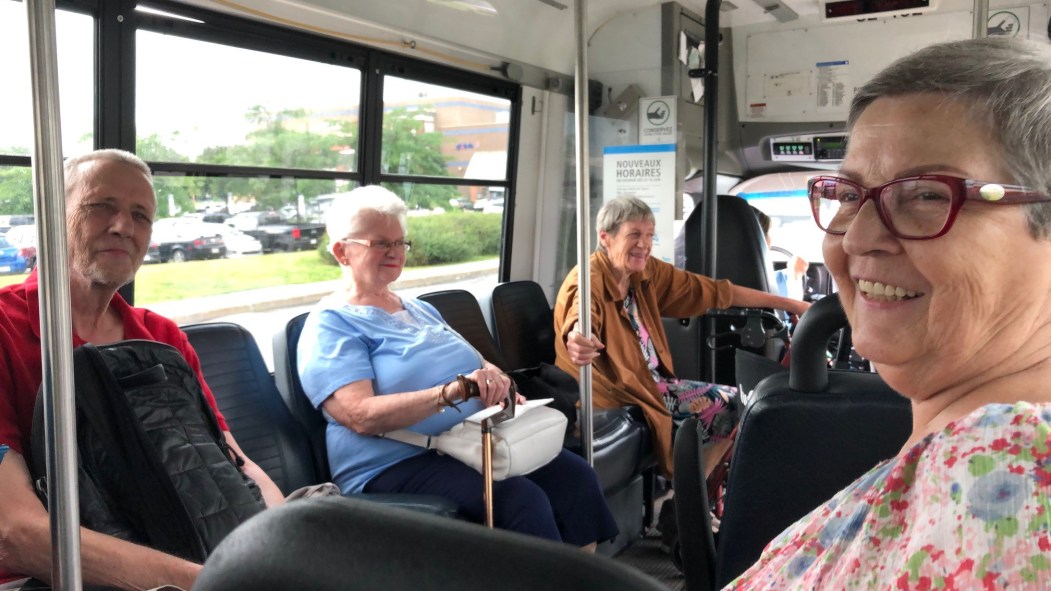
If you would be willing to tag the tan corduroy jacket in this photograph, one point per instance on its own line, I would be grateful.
(620, 375)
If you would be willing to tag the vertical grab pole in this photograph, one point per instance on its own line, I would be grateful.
(583, 219)
(981, 19)
(710, 206)
(56, 323)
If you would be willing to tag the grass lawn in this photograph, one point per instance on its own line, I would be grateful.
(176, 281)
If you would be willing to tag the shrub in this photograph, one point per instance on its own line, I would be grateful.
(485, 231)
(324, 252)
(451, 237)
(454, 237)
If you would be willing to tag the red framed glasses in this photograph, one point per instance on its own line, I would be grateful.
(912, 208)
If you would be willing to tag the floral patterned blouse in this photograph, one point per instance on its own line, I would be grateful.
(968, 507)
(714, 405)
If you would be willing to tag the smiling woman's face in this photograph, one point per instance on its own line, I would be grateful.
(972, 297)
(373, 267)
(629, 247)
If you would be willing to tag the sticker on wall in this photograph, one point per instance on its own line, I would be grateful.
(834, 91)
(786, 84)
(658, 123)
(1008, 23)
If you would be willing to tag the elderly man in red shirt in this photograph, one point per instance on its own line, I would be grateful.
(110, 205)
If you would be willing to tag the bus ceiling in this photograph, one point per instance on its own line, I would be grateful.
(769, 98)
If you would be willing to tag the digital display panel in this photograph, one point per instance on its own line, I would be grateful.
(793, 148)
(863, 7)
(830, 147)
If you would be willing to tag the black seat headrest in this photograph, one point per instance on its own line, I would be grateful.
(342, 544)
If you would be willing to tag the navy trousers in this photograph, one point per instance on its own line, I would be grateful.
(562, 501)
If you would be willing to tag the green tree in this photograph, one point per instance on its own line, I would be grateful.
(16, 190)
(282, 140)
(409, 149)
(184, 190)
(152, 147)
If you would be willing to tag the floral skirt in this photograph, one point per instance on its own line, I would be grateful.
(714, 405)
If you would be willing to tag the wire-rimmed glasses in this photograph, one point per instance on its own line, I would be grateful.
(384, 245)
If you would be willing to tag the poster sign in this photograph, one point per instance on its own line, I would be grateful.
(657, 120)
(646, 172)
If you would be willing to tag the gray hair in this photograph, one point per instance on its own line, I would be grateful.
(615, 212)
(75, 175)
(1004, 83)
(343, 216)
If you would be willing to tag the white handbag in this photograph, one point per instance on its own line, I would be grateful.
(520, 444)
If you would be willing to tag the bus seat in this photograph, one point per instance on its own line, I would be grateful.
(460, 310)
(525, 326)
(340, 544)
(245, 392)
(621, 448)
(741, 257)
(804, 435)
(692, 512)
(286, 374)
(686, 343)
(741, 249)
(524, 323)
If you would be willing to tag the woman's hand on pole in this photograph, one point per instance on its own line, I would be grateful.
(582, 350)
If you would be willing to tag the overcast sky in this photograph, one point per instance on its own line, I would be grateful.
(199, 90)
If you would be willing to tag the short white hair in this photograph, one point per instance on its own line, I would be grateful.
(74, 172)
(344, 215)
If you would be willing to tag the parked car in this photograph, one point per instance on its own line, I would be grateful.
(494, 206)
(181, 240)
(275, 233)
(237, 242)
(24, 238)
(10, 259)
(12, 221)
(215, 218)
(153, 253)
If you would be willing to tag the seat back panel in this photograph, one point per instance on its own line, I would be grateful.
(524, 323)
(246, 394)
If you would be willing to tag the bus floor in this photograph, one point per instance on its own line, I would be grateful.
(648, 555)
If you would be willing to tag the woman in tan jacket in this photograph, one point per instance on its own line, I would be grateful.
(630, 292)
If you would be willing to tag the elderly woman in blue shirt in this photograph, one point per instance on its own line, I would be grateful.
(374, 362)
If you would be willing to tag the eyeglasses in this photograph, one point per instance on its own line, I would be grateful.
(384, 245)
(912, 208)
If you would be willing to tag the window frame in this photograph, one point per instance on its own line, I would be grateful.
(116, 25)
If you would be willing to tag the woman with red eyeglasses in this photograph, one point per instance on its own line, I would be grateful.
(939, 236)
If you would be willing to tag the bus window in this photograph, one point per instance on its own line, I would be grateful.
(211, 104)
(75, 40)
(455, 133)
(783, 197)
(226, 141)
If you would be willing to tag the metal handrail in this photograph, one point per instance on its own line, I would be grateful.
(56, 341)
(583, 219)
(710, 205)
(980, 21)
